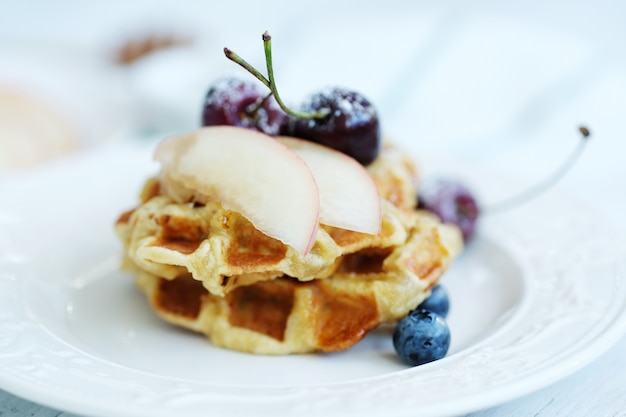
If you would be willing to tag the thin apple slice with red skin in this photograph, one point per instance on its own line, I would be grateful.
(349, 198)
(247, 172)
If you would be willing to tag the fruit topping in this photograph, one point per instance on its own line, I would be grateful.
(338, 118)
(537, 189)
(284, 186)
(421, 337)
(452, 202)
(437, 302)
(234, 102)
(351, 126)
(247, 172)
(349, 198)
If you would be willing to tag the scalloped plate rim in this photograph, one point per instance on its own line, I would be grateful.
(465, 402)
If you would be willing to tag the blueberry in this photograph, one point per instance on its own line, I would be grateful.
(421, 337)
(437, 302)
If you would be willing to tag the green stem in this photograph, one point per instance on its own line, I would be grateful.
(271, 83)
(267, 44)
(254, 108)
(242, 62)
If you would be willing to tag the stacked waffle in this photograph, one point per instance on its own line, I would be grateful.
(209, 269)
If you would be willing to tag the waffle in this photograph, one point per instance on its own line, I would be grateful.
(284, 316)
(224, 251)
(396, 177)
(208, 269)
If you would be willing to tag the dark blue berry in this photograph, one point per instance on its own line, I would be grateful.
(421, 337)
(438, 302)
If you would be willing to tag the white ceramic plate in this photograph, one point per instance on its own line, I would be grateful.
(538, 295)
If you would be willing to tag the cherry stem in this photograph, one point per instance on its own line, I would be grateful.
(243, 63)
(254, 107)
(267, 46)
(534, 191)
(271, 83)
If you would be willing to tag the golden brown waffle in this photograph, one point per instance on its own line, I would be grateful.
(209, 270)
(223, 250)
(370, 286)
(396, 177)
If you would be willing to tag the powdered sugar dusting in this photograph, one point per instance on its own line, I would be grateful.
(351, 126)
(339, 101)
(231, 101)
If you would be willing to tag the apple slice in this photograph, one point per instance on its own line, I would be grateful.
(248, 172)
(349, 198)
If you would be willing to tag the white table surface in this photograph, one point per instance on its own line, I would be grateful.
(500, 85)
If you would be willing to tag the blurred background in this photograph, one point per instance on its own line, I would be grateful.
(499, 84)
